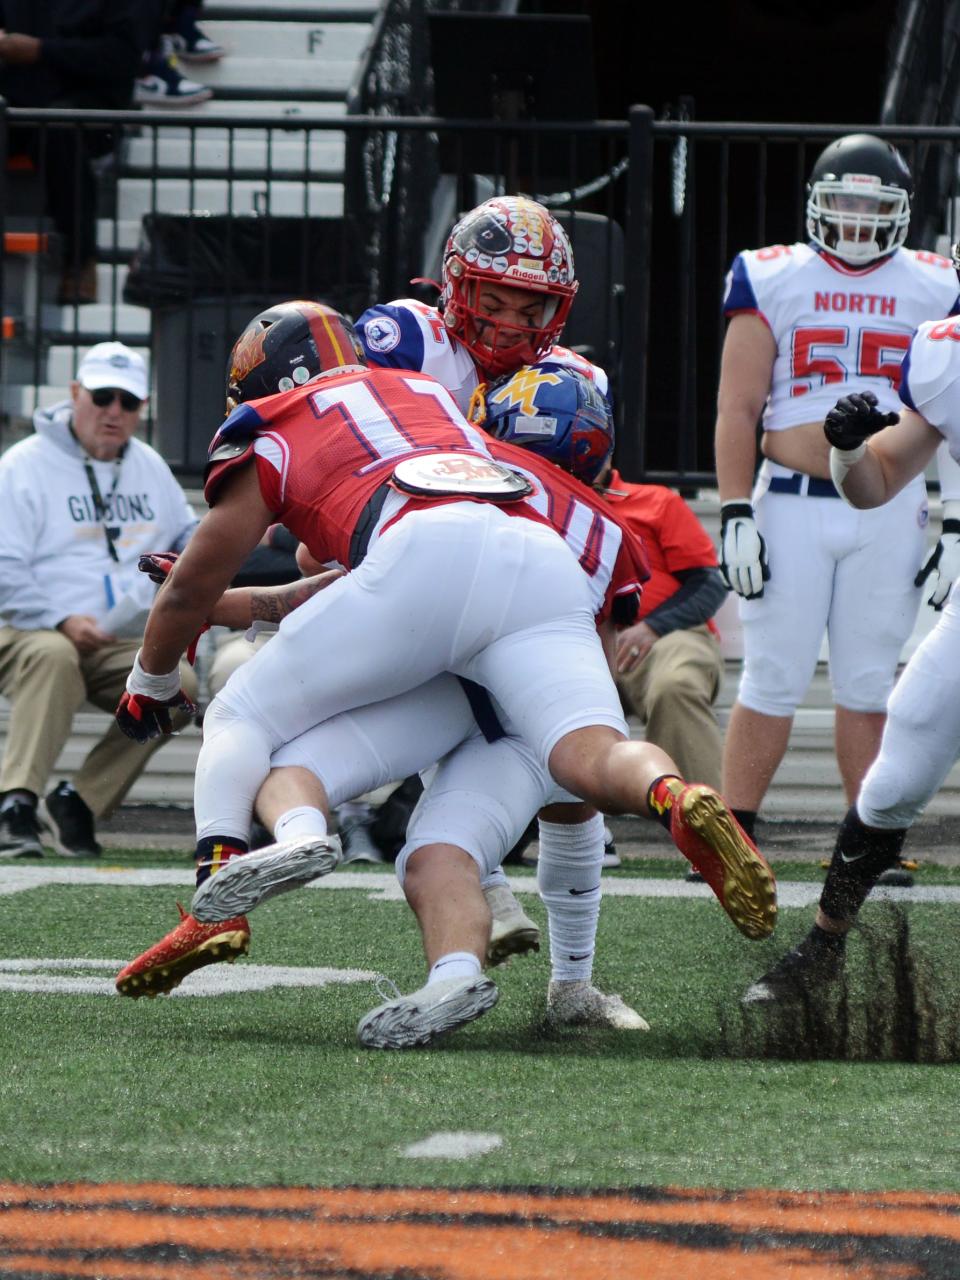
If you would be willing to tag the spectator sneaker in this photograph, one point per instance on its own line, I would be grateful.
(190, 946)
(433, 1011)
(70, 823)
(580, 1004)
(709, 836)
(357, 843)
(20, 831)
(164, 85)
(806, 968)
(513, 933)
(189, 42)
(252, 878)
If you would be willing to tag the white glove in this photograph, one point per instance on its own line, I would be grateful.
(944, 559)
(743, 553)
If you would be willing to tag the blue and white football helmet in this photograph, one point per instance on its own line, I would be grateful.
(554, 411)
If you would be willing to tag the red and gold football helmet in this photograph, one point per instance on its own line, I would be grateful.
(513, 242)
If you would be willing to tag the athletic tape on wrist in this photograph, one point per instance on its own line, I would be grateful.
(160, 688)
(841, 461)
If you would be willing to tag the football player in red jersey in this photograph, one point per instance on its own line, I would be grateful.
(437, 583)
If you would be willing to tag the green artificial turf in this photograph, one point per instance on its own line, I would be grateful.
(271, 1087)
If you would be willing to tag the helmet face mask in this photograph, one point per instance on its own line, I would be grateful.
(553, 411)
(512, 247)
(287, 346)
(858, 206)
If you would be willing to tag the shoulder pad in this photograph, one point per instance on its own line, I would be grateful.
(226, 450)
(222, 459)
(243, 423)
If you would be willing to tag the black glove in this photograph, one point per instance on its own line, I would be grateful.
(143, 718)
(855, 417)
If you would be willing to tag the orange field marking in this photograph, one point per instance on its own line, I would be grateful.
(153, 1231)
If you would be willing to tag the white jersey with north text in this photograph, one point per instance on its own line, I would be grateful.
(836, 327)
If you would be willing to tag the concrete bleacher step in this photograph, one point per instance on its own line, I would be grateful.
(280, 76)
(99, 318)
(250, 108)
(280, 154)
(324, 44)
(291, 10)
(139, 196)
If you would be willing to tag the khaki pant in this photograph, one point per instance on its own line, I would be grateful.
(47, 681)
(673, 691)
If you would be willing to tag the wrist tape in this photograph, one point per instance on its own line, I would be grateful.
(160, 688)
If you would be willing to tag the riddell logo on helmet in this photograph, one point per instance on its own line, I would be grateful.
(537, 276)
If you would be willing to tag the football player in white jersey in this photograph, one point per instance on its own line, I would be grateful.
(806, 323)
(921, 739)
(508, 282)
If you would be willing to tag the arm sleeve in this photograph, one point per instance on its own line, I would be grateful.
(697, 599)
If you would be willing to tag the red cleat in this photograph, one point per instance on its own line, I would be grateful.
(709, 836)
(191, 945)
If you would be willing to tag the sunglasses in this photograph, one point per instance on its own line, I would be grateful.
(106, 395)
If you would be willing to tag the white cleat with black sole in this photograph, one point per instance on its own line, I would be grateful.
(251, 878)
(422, 1016)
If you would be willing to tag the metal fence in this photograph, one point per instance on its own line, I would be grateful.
(204, 220)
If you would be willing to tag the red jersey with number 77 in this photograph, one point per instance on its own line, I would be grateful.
(837, 328)
(325, 453)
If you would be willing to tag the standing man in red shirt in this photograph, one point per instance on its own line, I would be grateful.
(668, 663)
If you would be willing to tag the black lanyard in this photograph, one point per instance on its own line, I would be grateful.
(99, 506)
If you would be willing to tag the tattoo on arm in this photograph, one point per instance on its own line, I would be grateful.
(273, 605)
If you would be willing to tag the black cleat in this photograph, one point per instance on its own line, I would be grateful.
(806, 968)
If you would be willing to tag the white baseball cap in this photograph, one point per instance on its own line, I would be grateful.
(111, 364)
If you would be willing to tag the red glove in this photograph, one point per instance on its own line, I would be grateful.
(157, 565)
(143, 718)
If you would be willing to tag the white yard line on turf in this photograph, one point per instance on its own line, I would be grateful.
(382, 886)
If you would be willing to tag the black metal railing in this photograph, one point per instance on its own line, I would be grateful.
(211, 218)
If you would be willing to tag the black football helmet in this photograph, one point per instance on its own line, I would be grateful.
(858, 199)
(287, 346)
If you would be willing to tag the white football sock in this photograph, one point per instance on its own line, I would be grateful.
(301, 823)
(493, 878)
(568, 877)
(456, 964)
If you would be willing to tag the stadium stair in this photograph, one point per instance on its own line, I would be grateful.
(285, 59)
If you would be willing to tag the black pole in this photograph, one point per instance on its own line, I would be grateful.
(631, 450)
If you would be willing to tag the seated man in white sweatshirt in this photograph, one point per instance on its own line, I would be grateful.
(80, 502)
